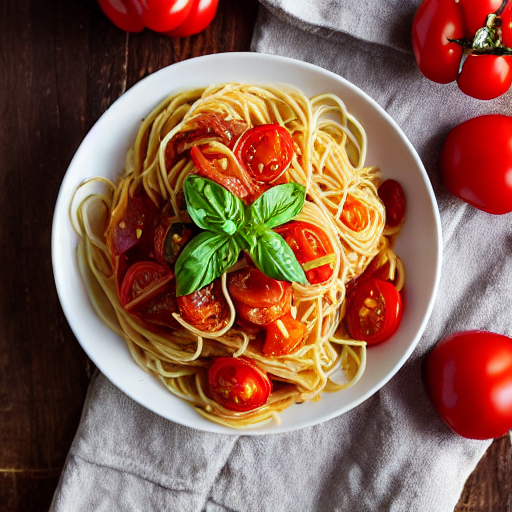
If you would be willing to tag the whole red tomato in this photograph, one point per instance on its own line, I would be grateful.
(476, 163)
(497, 71)
(201, 15)
(468, 378)
(435, 22)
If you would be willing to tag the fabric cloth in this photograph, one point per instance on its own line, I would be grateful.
(392, 453)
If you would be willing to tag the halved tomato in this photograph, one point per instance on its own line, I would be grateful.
(374, 311)
(284, 336)
(265, 151)
(259, 299)
(238, 384)
(206, 309)
(311, 247)
(354, 215)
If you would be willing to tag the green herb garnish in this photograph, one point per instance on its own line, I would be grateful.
(231, 226)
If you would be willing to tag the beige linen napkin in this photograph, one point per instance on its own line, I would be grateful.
(392, 453)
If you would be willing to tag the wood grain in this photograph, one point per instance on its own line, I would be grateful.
(62, 64)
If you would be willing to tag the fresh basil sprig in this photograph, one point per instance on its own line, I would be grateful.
(231, 226)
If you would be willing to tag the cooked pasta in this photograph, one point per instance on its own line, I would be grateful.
(329, 149)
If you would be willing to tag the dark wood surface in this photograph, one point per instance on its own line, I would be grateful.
(62, 63)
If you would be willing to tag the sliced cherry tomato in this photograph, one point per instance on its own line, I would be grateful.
(392, 195)
(485, 76)
(201, 15)
(311, 247)
(143, 281)
(206, 309)
(237, 183)
(265, 151)
(435, 22)
(238, 384)
(203, 126)
(354, 215)
(374, 311)
(259, 299)
(476, 163)
(136, 225)
(468, 378)
(284, 336)
(170, 238)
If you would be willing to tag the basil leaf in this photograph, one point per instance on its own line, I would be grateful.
(278, 205)
(274, 257)
(211, 206)
(206, 257)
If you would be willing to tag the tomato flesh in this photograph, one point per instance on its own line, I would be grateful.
(374, 311)
(468, 378)
(309, 243)
(476, 163)
(354, 215)
(284, 336)
(206, 309)
(257, 298)
(238, 384)
(265, 151)
(392, 195)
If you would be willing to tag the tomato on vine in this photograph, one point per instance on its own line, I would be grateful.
(443, 30)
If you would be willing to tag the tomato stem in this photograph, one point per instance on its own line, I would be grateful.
(501, 8)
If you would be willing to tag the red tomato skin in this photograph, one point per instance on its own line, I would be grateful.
(308, 242)
(392, 195)
(435, 22)
(121, 14)
(200, 16)
(162, 15)
(475, 13)
(269, 145)
(468, 378)
(276, 344)
(485, 77)
(476, 163)
(391, 316)
(229, 380)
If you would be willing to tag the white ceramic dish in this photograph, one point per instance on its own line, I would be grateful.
(102, 153)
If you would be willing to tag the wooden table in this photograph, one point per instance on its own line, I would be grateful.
(62, 63)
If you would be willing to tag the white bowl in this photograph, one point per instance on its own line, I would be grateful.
(102, 153)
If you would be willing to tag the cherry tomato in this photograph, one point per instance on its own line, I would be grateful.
(238, 384)
(392, 195)
(435, 22)
(374, 311)
(265, 151)
(122, 14)
(201, 15)
(485, 77)
(310, 245)
(476, 163)
(468, 378)
(475, 14)
(206, 309)
(236, 183)
(284, 336)
(143, 281)
(133, 224)
(170, 237)
(354, 215)
(259, 299)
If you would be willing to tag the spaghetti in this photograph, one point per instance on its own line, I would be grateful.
(341, 200)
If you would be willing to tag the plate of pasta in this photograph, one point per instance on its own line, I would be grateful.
(245, 242)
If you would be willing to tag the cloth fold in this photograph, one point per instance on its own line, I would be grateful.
(392, 453)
